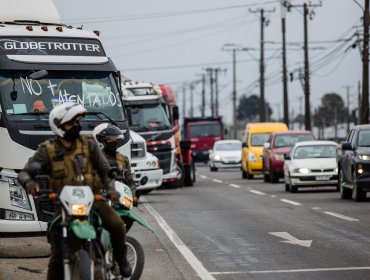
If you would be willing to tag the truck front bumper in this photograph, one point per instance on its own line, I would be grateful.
(155, 177)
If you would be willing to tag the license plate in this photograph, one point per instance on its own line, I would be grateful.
(323, 177)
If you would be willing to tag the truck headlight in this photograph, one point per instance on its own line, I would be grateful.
(364, 157)
(79, 210)
(18, 195)
(252, 157)
(152, 164)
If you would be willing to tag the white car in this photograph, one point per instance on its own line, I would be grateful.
(225, 154)
(311, 164)
(143, 164)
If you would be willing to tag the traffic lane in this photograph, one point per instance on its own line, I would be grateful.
(326, 199)
(231, 232)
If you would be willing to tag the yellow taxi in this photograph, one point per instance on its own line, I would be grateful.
(254, 136)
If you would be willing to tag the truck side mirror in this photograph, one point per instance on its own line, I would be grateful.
(175, 113)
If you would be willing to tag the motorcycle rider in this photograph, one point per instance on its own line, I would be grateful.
(110, 138)
(71, 159)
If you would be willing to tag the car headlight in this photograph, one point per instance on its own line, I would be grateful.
(79, 210)
(217, 157)
(252, 157)
(18, 195)
(303, 170)
(279, 156)
(364, 157)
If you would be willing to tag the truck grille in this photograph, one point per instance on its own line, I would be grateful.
(164, 160)
(138, 150)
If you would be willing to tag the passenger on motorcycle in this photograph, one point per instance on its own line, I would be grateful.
(72, 159)
(110, 138)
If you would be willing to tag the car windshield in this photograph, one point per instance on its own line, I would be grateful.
(204, 130)
(148, 117)
(258, 139)
(364, 138)
(228, 146)
(315, 151)
(27, 99)
(288, 140)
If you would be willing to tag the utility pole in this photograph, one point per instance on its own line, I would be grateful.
(191, 100)
(359, 103)
(217, 70)
(184, 101)
(203, 95)
(211, 80)
(285, 75)
(306, 13)
(348, 111)
(262, 63)
(365, 68)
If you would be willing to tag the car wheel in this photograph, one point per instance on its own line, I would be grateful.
(345, 193)
(357, 194)
(292, 189)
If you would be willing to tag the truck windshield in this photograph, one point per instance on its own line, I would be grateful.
(23, 98)
(204, 130)
(145, 117)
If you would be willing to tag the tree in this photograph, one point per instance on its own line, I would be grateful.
(248, 108)
(331, 111)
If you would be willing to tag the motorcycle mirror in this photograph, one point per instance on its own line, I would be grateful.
(144, 180)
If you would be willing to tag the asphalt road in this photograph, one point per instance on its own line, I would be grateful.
(225, 227)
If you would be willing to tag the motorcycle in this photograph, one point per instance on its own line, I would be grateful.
(86, 245)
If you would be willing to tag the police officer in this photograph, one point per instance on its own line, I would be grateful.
(110, 138)
(71, 159)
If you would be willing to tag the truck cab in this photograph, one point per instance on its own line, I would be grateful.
(44, 63)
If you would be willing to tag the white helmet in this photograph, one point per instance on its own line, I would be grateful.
(107, 131)
(64, 113)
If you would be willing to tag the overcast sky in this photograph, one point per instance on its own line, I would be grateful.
(171, 41)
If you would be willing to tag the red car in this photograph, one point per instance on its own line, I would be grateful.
(278, 145)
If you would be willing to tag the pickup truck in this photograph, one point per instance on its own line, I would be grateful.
(354, 164)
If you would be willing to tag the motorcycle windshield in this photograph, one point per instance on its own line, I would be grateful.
(27, 99)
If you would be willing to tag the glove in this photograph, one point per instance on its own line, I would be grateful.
(113, 194)
(32, 187)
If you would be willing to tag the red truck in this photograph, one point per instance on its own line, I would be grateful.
(203, 133)
(184, 156)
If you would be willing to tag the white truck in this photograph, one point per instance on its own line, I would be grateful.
(44, 63)
(143, 164)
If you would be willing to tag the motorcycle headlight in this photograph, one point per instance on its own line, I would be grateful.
(217, 157)
(279, 156)
(364, 157)
(79, 210)
(252, 157)
(127, 202)
(18, 195)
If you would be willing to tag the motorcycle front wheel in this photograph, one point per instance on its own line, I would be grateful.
(135, 256)
(81, 266)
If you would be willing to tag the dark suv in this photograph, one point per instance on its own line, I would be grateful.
(354, 164)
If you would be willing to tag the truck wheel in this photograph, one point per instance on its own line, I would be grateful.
(345, 193)
(357, 194)
(188, 180)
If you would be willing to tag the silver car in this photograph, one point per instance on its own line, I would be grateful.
(225, 154)
(311, 164)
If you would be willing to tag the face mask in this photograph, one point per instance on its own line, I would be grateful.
(73, 133)
(110, 148)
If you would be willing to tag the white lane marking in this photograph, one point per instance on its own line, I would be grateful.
(179, 244)
(290, 239)
(342, 216)
(273, 195)
(203, 176)
(234, 186)
(257, 192)
(293, 270)
(316, 208)
(290, 202)
(217, 181)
